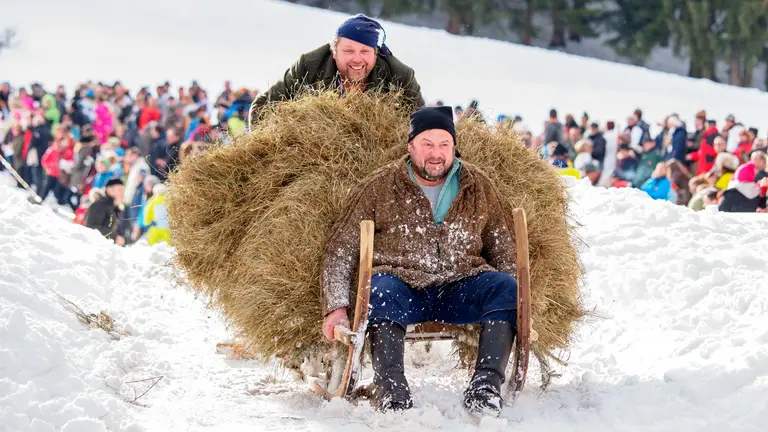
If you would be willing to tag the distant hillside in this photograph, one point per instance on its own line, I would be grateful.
(660, 59)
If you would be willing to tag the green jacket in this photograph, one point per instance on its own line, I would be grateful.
(317, 69)
(52, 113)
(645, 166)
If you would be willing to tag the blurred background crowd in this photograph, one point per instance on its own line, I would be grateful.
(104, 146)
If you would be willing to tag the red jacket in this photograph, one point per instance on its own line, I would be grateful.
(27, 142)
(51, 160)
(706, 154)
(147, 115)
(742, 152)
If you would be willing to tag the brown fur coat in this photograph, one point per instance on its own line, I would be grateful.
(408, 244)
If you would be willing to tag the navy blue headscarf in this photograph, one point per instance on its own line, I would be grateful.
(365, 30)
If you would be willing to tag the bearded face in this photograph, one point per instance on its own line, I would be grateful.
(354, 60)
(432, 153)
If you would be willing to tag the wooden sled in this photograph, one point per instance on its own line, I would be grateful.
(342, 382)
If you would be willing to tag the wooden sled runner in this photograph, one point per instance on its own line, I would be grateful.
(342, 377)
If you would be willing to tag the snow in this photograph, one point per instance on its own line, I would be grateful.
(679, 341)
(146, 44)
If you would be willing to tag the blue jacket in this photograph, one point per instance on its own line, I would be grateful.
(679, 145)
(660, 189)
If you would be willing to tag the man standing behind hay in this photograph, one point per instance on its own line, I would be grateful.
(353, 59)
(442, 252)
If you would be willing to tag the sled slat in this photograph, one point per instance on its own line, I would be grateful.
(355, 352)
(522, 341)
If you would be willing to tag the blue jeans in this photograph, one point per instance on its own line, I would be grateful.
(485, 297)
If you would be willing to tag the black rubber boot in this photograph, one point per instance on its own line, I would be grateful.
(391, 391)
(483, 396)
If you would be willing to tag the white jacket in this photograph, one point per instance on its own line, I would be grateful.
(609, 162)
(132, 182)
(733, 138)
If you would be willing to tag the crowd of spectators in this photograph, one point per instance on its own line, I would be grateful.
(106, 147)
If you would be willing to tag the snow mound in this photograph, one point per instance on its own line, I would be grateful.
(680, 341)
(56, 373)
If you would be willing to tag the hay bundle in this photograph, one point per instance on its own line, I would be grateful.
(526, 181)
(250, 219)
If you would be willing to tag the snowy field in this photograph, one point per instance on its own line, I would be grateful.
(681, 343)
(253, 42)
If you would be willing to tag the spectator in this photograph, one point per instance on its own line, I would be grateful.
(158, 156)
(553, 129)
(592, 172)
(626, 164)
(598, 144)
(611, 155)
(680, 177)
(758, 158)
(658, 186)
(136, 165)
(41, 140)
(156, 217)
(678, 139)
(705, 156)
(745, 146)
(731, 130)
(648, 162)
(698, 187)
(104, 214)
(151, 113)
(583, 149)
(742, 194)
(562, 162)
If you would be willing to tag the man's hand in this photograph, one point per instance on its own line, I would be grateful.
(337, 317)
(120, 240)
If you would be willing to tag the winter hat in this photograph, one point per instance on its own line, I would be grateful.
(591, 167)
(746, 173)
(427, 118)
(360, 28)
(95, 194)
(560, 150)
(159, 188)
(113, 182)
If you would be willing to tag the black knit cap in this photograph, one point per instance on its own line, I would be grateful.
(113, 182)
(427, 118)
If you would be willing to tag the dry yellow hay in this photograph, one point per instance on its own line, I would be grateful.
(250, 219)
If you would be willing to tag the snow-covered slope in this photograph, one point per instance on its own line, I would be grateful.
(254, 42)
(680, 343)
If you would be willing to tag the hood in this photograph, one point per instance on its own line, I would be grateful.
(746, 173)
(51, 101)
(710, 131)
(749, 190)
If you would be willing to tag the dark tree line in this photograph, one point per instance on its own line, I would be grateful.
(710, 31)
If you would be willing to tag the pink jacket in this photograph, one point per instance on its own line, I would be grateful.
(103, 125)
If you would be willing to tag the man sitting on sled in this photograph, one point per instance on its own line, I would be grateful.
(442, 252)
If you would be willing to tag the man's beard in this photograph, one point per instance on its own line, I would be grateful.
(357, 76)
(423, 173)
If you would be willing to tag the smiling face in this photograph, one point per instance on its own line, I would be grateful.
(431, 156)
(353, 59)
